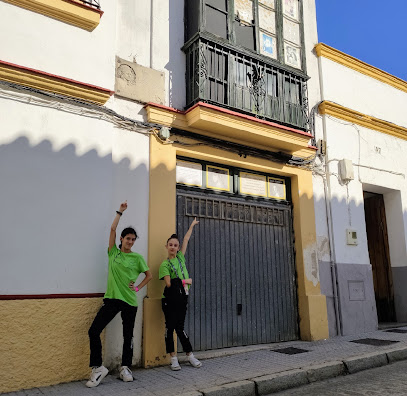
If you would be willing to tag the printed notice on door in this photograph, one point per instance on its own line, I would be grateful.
(276, 188)
(253, 184)
(189, 173)
(217, 178)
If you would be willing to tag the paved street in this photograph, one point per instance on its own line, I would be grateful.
(383, 381)
(243, 367)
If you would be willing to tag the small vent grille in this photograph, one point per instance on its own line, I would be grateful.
(374, 342)
(290, 350)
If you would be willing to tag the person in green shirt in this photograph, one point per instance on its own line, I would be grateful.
(124, 268)
(175, 299)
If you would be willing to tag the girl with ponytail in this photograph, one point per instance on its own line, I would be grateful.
(124, 268)
(175, 299)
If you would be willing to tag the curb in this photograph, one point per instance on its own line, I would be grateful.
(240, 388)
(364, 362)
(289, 379)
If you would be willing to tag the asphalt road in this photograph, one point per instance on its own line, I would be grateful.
(383, 381)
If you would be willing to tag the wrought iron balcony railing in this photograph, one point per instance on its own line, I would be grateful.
(91, 3)
(227, 77)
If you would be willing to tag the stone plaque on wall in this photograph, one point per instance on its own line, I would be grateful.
(139, 83)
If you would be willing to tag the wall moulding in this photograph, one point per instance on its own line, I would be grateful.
(364, 120)
(69, 11)
(337, 56)
(49, 82)
(217, 122)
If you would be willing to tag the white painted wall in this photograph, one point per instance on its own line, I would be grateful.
(151, 33)
(359, 92)
(373, 172)
(64, 177)
(379, 161)
(382, 171)
(380, 166)
(311, 39)
(55, 47)
(62, 190)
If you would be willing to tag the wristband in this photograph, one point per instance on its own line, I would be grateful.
(119, 213)
(183, 282)
(135, 288)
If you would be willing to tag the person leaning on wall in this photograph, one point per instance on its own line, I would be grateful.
(124, 268)
(175, 298)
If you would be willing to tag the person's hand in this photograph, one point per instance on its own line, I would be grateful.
(132, 286)
(188, 281)
(194, 222)
(123, 206)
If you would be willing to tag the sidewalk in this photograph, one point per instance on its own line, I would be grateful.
(255, 370)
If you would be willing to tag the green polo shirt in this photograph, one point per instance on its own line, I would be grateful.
(166, 268)
(123, 268)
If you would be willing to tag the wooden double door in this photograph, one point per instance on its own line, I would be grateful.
(378, 244)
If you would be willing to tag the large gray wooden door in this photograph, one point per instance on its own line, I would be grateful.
(241, 259)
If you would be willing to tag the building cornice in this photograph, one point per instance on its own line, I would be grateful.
(337, 56)
(69, 11)
(217, 122)
(343, 113)
(49, 82)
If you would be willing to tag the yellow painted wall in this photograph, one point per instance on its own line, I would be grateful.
(161, 224)
(311, 304)
(44, 342)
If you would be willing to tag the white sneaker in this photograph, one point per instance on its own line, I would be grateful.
(125, 374)
(194, 361)
(174, 364)
(98, 373)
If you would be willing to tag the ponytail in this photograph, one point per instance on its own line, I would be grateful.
(173, 236)
(127, 231)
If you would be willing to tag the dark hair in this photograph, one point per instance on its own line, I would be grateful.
(127, 231)
(173, 236)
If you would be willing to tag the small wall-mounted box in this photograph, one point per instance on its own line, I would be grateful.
(346, 170)
(321, 147)
(351, 237)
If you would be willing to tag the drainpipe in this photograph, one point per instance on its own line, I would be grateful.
(328, 208)
(151, 32)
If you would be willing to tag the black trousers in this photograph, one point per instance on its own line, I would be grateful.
(107, 312)
(174, 320)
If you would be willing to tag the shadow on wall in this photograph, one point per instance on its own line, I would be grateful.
(56, 211)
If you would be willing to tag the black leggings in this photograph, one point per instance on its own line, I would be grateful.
(174, 320)
(109, 310)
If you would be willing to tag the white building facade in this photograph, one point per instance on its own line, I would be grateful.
(85, 89)
(360, 203)
(71, 151)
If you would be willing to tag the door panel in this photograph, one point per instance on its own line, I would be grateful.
(241, 259)
(379, 255)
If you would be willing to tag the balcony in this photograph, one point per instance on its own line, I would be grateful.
(91, 3)
(223, 75)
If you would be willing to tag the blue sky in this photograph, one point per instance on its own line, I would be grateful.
(374, 31)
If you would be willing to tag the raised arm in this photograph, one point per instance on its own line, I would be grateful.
(188, 235)
(112, 237)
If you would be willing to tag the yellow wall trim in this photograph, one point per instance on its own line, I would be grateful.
(68, 11)
(216, 122)
(337, 56)
(52, 83)
(343, 113)
(162, 223)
